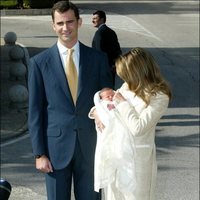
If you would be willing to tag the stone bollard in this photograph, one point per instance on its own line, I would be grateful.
(17, 68)
(10, 38)
(18, 95)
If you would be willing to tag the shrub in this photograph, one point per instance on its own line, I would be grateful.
(27, 4)
(8, 4)
(41, 3)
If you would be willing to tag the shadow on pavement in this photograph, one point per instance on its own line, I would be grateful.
(142, 7)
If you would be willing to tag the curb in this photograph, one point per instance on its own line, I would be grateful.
(47, 11)
(12, 12)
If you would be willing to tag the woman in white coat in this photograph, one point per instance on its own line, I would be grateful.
(148, 101)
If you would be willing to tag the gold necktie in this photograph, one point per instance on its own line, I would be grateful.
(71, 74)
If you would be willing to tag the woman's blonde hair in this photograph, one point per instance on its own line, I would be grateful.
(140, 71)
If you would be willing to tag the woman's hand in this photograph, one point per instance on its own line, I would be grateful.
(43, 164)
(97, 121)
(118, 98)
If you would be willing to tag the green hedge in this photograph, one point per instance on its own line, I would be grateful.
(27, 4)
(8, 4)
(41, 3)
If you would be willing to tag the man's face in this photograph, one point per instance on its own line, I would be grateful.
(96, 21)
(66, 27)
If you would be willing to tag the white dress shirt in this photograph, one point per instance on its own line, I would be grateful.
(63, 54)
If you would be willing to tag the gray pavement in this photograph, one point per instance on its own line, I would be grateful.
(170, 31)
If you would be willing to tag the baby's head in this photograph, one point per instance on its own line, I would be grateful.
(106, 94)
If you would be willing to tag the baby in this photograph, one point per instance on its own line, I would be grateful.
(106, 96)
(114, 156)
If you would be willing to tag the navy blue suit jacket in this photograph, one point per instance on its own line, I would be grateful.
(54, 121)
(105, 39)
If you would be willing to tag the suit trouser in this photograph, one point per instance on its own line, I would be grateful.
(59, 182)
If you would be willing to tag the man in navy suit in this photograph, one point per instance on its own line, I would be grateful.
(105, 39)
(63, 137)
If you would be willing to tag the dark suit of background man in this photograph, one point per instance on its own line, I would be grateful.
(63, 137)
(105, 39)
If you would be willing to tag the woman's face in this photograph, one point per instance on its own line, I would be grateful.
(66, 27)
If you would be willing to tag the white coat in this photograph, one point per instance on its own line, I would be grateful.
(140, 121)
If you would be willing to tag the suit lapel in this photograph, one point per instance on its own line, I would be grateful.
(80, 78)
(56, 64)
(84, 71)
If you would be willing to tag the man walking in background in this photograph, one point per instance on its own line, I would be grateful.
(105, 39)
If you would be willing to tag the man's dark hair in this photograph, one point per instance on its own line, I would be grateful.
(101, 14)
(63, 6)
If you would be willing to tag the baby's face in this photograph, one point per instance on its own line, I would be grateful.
(107, 95)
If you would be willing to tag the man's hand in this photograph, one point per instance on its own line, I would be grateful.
(43, 164)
